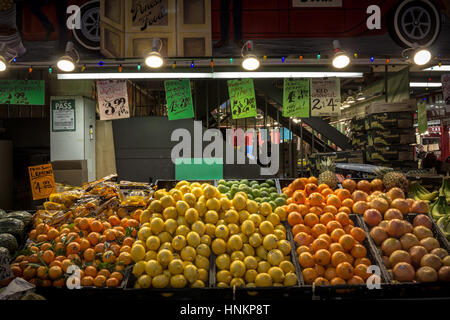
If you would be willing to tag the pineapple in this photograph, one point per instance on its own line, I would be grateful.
(327, 173)
(392, 178)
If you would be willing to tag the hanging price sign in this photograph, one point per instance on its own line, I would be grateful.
(42, 181)
(242, 97)
(325, 97)
(113, 99)
(179, 99)
(296, 98)
(24, 92)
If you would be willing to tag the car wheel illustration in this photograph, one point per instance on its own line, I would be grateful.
(89, 34)
(415, 22)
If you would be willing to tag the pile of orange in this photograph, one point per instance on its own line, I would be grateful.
(101, 249)
(330, 249)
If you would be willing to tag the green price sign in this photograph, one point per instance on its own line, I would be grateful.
(422, 120)
(179, 99)
(24, 92)
(242, 97)
(296, 98)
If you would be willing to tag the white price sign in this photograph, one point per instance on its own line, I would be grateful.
(316, 3)
(113, 99)
(325, 97)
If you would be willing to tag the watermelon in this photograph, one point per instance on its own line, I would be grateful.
(2, 213)
(13, 226)
(9, 242)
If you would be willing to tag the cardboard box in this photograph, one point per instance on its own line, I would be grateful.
(381, 107)
(70, 172)
(389, 120)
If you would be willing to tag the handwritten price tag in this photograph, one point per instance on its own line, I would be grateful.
(179, 99)
(42, 181)
(113, 99)
(325, 97)
(296, 98)
(242, 97)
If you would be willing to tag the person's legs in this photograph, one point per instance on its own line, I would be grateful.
(237, 19)
(224, 23)
(35, 8)
(61, 15)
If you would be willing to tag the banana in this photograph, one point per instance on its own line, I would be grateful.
(438, 210)
(446, 184)
(430, 196)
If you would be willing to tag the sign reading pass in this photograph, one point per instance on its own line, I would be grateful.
(42, 181)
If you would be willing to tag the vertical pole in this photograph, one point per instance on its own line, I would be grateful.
(301, 147)
(312, 141)
(291, 156)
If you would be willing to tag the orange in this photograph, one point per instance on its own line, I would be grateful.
(348, 228)
(73, 237)
(74, 257)
(45, 246)
(309, 275)
(330, 273)
(294, 218)
(347, 242)
(55, 272)
(326, 217)
(302, 238)
(300, 228)
(333, 200)
(48, 256)
(99, 281)
(337, 258)
(125, 258)
(335, 247)
(361, 271)
(89, 254)
(59, 283)
(128, 241)
(297, 184)
(106, 225)
(311, 188)
(320, 281)
(109, 257)
(306, 260)
(104, 272)
(114, 220)
(115, 248)
(326, 192)
(333, 225)
(90, 271)
(330, 209)
(315, 199)
(342, 194)
(83, 224)
(73, 248)
(358, 234)
(319, 269)
(117, 275)
(299, 196)
(336, 234)
(319, 244)
(42, 228)
(313, 179)
(322, 186)
(358, 251)
(343, 218)
(87, 281)
(364, 260)
(303, 209)
(125, 249)
(32, 235)
(84, 244)
(112, 282)
(99, 248)
(52, 233)
(318, 229)
(65, 264)
(93, 238)
(344, 270)
(322, 257)
(347, 203)
(304, 249)
(337, 281)
(132, 223)
(355, 280)
(96, 226)
(288, 192)
(110, 235)
(311, 219)
(136, 215)
(292, 208)
(316, 210)
(325, 237)
(41, 238)
(350, 258)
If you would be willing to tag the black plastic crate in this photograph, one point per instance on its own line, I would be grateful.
(170, 184)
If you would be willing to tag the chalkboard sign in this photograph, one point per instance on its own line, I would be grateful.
(179, 99)
(242, 98)
(23, 92)
(296, 98)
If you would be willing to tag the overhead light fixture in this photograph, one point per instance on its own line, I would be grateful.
(259, 116)
(360, 95)
(350, 100)
(250, 62)
(4, 54)
(207, 75)
(444, 67)
(68, 62)
(154, 59)
(422, 57)
(345, 105)
(425, 84)
(2, 64)
(341, 59)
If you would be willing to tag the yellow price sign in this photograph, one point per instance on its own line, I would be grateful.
(42, 181)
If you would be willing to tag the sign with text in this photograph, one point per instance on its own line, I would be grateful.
(422, 121)
(179, 99)
(63, 115)
(24, 92)
(296, 98)
(445, 79)
(325, 97)
(113, 99)
(316, 3)
(242, 98)
(42, 181)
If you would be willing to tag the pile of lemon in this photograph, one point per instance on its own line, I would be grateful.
(250, 245)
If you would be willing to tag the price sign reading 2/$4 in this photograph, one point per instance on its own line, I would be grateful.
(325, 97)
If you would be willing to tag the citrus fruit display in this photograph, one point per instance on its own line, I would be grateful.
(263, 191)
(251, 246)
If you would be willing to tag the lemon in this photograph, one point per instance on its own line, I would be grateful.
(222, 285)
(206, 239)
(198, 284)
(266, 228)
(233, 229)
(290, 279)
(170, 225)
(179, 242)
(225, 203)
(177, 195)
(181, 183)
(224, 276)
(160, 193)
(237, 255)
(231, 216)
(234, 243)
(261, 252)
(156, 206)
(202, 199)
(209, 192)
(165, 237)
(182, 230)
(279, 234)
(191, 273)
(152, 243)
(139, 268)
(281, 213)
(222, 232)
(190, 199)
(176, 267)
(210, 230)
(250, 275)
(181, 207)
(145, 216)
(145, 281)
(202, 262)
(213, 204)
(167, 201)
(211, 217)
(153, 268)
(255, 240)
(199, 227)
(170, 213)
(265, 209)
(248, 227)
(219, 246)
(181, 221)
(201, 208)
(284, 246)
(277, 274)
(203, 250)
(263, 280)
(273, 219)
(188, 254)
(160, 281)
(144, 233)
(287, 267)
(239, 202)
(197, 192)
(223, 261)
(193, 239)
(248, 250)
(274, 257)
(191, 215)
(243, 215)
(270, 242)
(237, 269)
(137, 252)
(250, 263)
(150, 255)
(185, 189)
(146, 224)
(243, 237)
(164, 257)
(178, 281)
(252, 206)
(237, 282)
(242, 194)
(256, 218)
(142, 243)
(166, 246)
(157, 225)
(203, 275)
(263, 266)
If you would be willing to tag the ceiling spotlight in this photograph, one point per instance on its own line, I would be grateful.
(360, 96)
(154, 59)
(2, 64)
(345, 105)
(350, 100)
(6, 56)
(341, 59)
(250, 61)
(422, 56)
(67, 63)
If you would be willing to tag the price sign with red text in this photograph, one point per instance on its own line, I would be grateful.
(325, 97)
(113, 99)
